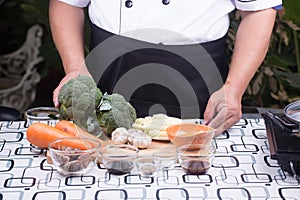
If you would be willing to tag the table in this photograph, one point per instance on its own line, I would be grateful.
(242, 169)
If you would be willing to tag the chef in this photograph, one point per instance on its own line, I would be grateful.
(170, 55)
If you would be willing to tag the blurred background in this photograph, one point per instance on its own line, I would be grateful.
(276, 83)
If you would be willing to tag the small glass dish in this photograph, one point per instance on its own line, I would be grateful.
(167, 158)
(195, 158)
(48, 115)
(119, 159)
(74, 156)
(148, 166)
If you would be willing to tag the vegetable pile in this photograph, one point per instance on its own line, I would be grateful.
(156, 126)
(82, 102)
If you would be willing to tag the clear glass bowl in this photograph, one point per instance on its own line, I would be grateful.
(167, 158)
(48, 115)
(195, 159)
(148, 166)
(119, 159)
(74, 156)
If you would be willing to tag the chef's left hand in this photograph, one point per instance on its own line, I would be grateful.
(223, 109)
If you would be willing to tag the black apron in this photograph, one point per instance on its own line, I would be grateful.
(160, 96)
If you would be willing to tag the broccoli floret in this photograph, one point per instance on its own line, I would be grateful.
(78, 99)
(82, 101)
(114, 111)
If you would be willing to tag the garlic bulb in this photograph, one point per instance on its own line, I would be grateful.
(119, 135)
(139, 139)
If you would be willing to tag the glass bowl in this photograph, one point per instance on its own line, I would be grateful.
(195, 158)
(48, 115)
(167, 158)
(148, 166)
(119, 159)
(74, 156)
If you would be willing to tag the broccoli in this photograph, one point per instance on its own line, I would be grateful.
(82, 101)
(114, 111)
(78, 99)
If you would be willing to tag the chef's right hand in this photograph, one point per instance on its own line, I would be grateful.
(67, 77)
(223, 109)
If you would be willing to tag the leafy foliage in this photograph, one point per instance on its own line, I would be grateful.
(17, 16)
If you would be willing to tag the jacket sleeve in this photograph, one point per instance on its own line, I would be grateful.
(254, 5)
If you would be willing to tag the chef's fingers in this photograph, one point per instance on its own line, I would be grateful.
(55, 96)
(225, 119)
(214, 106)
(209, 113)
(67, 77)
(218, 122)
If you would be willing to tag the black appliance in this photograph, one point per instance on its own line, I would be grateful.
(283, 143)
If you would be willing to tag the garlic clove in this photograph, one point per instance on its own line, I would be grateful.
(139, 139)
(119, 135)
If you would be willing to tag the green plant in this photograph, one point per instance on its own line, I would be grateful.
(16, 17)
(277, 81)
(37, 13)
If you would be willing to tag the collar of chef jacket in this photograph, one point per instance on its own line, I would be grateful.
(167, 21)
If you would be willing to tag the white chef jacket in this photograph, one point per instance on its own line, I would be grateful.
(179, 22)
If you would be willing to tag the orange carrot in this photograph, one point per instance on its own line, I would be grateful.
(41, 134)
(74, 144)
(76, 131)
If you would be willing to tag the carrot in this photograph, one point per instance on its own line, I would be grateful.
(68, 127)
(74, 144)
(75, 130)
(41, 134)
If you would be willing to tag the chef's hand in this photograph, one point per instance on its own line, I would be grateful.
(68, 76)
(223, 109)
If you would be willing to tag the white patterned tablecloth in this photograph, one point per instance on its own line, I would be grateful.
(242, 169)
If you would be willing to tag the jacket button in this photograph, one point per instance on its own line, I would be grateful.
(166, 2)
(128, 3)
